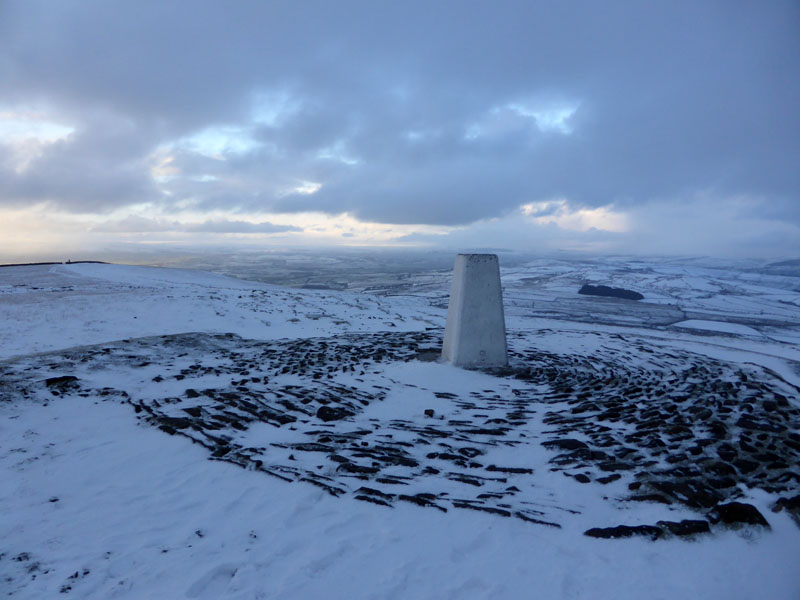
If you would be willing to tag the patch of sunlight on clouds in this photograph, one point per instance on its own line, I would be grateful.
(338, 152)
(218, 141)
(344, 229)
(271, 108)
(418, 135)
(554, 117)
(304, 188)
(162, 168)
(16, 125)
(546, 116)
(28, 133)
(307, 188)
(560, 213)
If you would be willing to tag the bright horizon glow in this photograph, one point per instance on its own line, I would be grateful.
(38, 232)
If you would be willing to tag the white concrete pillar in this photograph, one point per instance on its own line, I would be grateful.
(475, 334)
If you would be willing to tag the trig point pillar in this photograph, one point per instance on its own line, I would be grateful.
(475, 334)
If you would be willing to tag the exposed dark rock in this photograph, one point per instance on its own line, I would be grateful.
(522, 470)
(488, 509)
(466, 479)
(565, 444)
(470, 452)
(748, 423)
(791, 505)
(349, 467)
(687, 527)
(421, 500)
(625, 531)
(694, 494)
(526, 517)
(650, 498)
(613, 465)
(64, 381)
(608, 478)
(746, 466)
(374, 493)
(329, 413)
(373, 499)
(736, 514)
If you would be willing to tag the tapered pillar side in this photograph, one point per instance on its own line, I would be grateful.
(475, 333)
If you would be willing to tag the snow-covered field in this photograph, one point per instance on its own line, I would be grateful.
(230, 439)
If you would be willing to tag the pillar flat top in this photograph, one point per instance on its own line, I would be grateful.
(470, 255)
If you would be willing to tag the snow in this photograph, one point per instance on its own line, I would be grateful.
(720, 326)
(105, 507)
(79, 304)
(133, 504)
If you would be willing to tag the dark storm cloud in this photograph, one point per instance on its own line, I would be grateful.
(408, 113)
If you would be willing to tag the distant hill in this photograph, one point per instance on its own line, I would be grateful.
(787, 268)
(69, 262)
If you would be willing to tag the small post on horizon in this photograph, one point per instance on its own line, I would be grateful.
(475, 333)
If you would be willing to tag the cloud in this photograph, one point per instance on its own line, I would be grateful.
(139, 224)
(406, 113)
(136, 224)
(223, 226)
(666, 228)
(517, 232)
(102, 164)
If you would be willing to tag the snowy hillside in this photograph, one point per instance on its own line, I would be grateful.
(177, 434)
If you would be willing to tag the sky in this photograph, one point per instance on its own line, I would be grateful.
(642, 127)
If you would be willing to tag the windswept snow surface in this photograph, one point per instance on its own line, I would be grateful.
(98, 502)
(719, 326)
(47, 308)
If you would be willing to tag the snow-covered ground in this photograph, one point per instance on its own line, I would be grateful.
(98, 502)
(46, 308)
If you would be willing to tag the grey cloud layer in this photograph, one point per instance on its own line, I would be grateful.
(397, 109)
(135, 224)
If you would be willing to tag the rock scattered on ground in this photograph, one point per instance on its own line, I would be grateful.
(648, 424)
